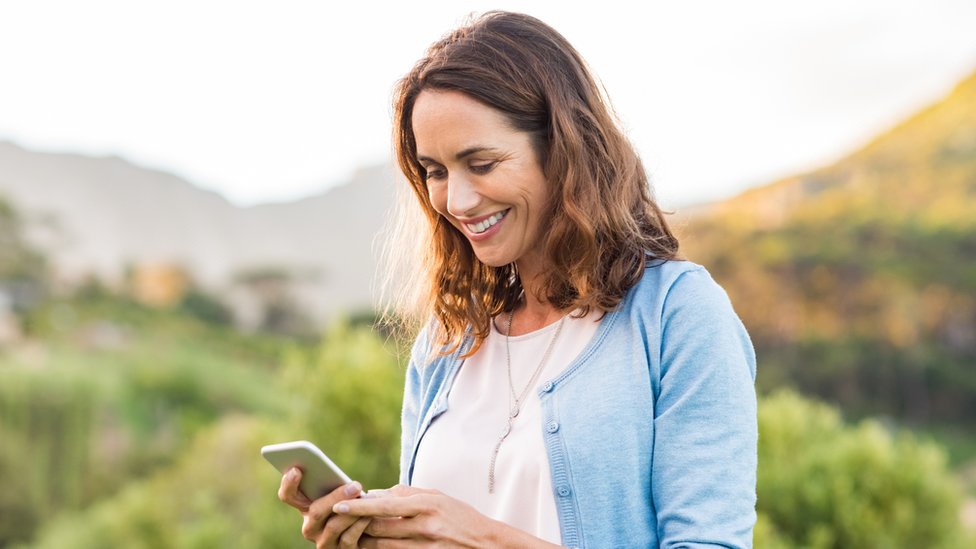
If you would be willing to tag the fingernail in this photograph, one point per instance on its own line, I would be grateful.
(341, 508)
(292, 473)
(353, 489)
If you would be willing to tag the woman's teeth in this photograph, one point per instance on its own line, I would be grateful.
(478, 228)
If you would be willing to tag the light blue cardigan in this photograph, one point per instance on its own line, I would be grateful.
(651, 432)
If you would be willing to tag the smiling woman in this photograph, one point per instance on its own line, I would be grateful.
(574, 382)
(483, 177)
(539, 114)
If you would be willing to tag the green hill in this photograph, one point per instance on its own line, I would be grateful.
(858, 280)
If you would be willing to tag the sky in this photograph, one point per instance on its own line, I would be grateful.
(274, 101)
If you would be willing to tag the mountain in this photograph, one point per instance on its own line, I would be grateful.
(921, 169)
(857, 281)
(104, 215)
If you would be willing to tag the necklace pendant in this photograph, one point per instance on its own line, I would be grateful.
(515, 409)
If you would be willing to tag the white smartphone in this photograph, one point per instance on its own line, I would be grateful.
(319, 474)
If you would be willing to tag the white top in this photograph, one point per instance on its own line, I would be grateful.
(455, 452)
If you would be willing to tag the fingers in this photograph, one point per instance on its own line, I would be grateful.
(400, 506)
(319, 523)
(319, 512)
(349, 539)
(367, 542)
(288, 491)
(398, 490)
(330, 535)
(394, 528)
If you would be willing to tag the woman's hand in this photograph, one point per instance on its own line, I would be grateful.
(319, 524)
(405, 516)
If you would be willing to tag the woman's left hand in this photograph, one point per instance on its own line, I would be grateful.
(413, 517)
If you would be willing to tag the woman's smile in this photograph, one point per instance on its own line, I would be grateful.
(485, 227)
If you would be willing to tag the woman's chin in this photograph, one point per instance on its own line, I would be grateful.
(492, 256)
(492, 261)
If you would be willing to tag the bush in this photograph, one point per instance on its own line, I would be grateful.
(347, 399)
(219, 494)
(107, 393)
(45, 431)
(205, 307)
(823, 485)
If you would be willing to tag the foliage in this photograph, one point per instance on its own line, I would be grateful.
(110, 392)
(46, 426)
(858, 281)
(273, 289)
(823, 485)
(347, 398)
(205, 307)
(220, 493)
(23, 270)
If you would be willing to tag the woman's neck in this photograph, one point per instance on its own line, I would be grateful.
(532, 313)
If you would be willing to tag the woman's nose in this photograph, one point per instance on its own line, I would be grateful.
(462, 198)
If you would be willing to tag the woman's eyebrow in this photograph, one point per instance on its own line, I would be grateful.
(461, 155)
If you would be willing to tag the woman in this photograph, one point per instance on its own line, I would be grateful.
(577, 383)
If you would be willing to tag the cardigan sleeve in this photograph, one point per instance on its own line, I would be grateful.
(410, 413)
(704, 457)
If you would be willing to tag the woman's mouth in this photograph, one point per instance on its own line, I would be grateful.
(484, 225)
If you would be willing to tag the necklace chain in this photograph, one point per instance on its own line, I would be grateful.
(515, 400)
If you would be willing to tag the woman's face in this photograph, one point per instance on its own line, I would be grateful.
(483, 176)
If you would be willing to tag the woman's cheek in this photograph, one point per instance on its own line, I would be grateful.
(438, 198)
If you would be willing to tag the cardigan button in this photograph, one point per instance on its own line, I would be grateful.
(548, 386)
(563, 491)
(552, 427)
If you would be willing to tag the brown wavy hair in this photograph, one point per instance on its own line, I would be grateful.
(603, 223)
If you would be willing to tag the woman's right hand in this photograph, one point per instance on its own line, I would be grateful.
(319, 524)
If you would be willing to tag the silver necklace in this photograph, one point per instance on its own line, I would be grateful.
(515, 400)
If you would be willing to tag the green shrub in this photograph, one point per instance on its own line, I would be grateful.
(108, 395)
(220, 493)
(823, 485)
(347, 399)
(45, 442)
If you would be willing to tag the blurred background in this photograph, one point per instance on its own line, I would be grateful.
(192, 195)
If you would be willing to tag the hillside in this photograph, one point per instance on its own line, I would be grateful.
(921, 169)
(103, 215)
(858, 280)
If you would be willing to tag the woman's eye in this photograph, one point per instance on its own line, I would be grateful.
(483, 168)
(434, 173)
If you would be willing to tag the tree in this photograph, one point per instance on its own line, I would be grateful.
(272, 289)
(23, 270)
